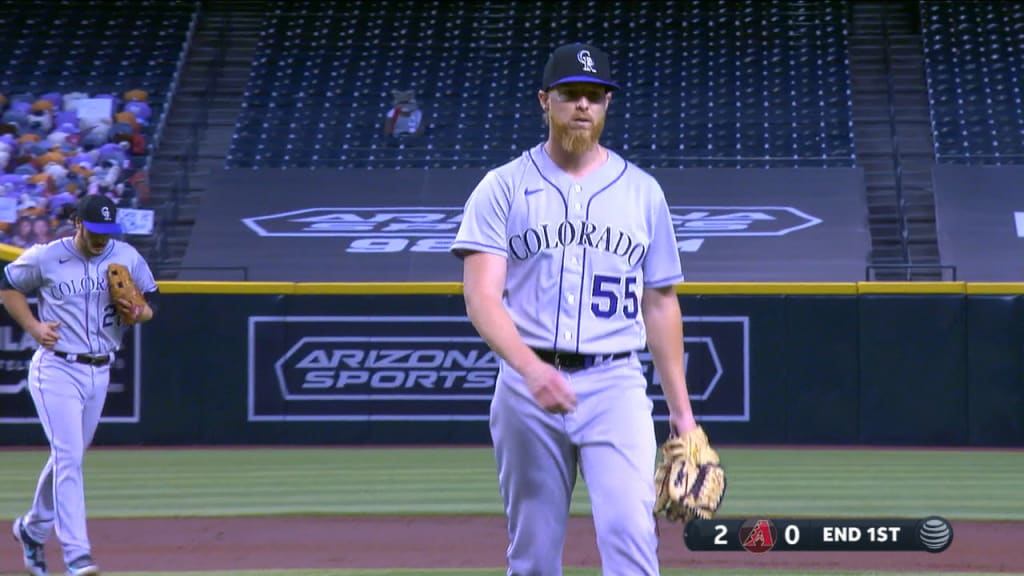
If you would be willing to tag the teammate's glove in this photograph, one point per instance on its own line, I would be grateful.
(690, 481)
(125, 296)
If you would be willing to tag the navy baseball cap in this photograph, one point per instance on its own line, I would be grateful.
(578, 63)
(98, 214)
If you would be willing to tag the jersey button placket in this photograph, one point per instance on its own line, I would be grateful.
(569, 313)
(575, 259)
(577, 209)
(571, 278)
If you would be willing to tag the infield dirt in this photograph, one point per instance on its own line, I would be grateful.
(248, 543)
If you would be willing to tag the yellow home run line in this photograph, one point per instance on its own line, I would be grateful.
(9, 253)
(688, 288)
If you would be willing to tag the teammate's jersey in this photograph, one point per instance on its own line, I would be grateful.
(579, 252)
(72, 289)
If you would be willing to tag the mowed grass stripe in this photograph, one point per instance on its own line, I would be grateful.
(450, 499)
(298, 480)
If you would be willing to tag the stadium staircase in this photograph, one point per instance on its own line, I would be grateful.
(892, 131)
(202, 116)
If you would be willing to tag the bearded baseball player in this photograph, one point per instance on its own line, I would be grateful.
(570, 263)
(79, 330)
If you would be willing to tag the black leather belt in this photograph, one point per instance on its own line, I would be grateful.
(84, 358)
(572, 362)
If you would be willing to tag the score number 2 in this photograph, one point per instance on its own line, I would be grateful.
(605, 296)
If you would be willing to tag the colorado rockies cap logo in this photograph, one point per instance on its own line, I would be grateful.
(106, 213)
(583, 57)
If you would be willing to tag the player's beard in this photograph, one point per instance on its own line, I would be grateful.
(576, 140)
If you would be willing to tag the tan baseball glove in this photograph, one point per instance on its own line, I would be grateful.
(689, 481)
(124, 294)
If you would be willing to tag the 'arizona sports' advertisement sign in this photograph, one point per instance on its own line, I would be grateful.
(323, 368)
(732, 225)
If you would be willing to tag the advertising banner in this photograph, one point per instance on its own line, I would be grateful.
(16, 349)
(734, 225)
(323, 368)
(980, 216)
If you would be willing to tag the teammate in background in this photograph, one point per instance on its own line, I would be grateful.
(78, 331)
(570, 262)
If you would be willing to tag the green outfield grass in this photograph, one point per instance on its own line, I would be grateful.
(956, 484)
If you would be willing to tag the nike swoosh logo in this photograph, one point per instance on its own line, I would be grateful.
(63, 260)
(534, 191)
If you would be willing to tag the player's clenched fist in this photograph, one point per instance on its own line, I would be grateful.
(550, 389)
(45, 333)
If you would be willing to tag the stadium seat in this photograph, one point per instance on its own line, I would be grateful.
(702, 81)
(974, 65)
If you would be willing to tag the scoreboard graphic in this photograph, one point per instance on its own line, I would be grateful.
(759, 535)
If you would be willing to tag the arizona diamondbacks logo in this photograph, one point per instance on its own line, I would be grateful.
(583, 57)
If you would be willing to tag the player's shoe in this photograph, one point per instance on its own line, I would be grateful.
(35, 562)
(83, 566)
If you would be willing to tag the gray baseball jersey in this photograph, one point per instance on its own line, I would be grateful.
(73, 289)
(580, 251)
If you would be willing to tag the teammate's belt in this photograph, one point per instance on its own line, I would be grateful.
(84, 358)
(569, 361)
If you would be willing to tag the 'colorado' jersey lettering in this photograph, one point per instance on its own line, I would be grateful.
(579, 252)
(569, 233)
(76, 286)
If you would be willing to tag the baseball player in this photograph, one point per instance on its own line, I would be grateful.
(78, 330)
(570, 262)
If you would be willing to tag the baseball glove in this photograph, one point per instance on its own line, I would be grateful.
(690, 481)
(121, 287)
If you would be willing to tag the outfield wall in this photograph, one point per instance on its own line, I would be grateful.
(268, 363)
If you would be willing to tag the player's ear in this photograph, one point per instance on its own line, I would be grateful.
(543, 98)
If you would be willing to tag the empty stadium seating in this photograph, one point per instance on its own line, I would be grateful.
(974, 57)
(708, 83)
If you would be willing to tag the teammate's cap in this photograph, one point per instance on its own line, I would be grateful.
(578, 63)
(98, 214)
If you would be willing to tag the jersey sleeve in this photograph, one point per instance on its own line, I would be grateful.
(142, 275)
(661, 264)
(483, 219)
(25, 274)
